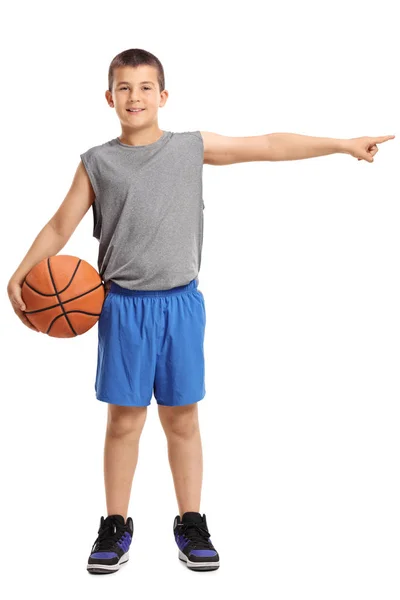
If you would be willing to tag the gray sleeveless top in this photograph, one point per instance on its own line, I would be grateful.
(148, 210)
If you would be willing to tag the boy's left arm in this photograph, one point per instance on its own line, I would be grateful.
(225, 150)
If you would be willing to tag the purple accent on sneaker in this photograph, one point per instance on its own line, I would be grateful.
(202, 553)
(103, 555)
(125, 541)
(182, 541)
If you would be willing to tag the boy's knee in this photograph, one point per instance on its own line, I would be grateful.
(125, 420)
(179, 421)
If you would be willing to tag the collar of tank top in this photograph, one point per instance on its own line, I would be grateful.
(152, 144)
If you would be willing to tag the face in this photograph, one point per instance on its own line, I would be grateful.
(136, 87)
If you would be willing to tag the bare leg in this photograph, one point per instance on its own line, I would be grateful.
(181, 427)
(121, 449)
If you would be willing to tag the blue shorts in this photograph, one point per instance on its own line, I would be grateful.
(151, 340)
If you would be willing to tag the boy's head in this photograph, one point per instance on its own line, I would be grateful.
(136, 79)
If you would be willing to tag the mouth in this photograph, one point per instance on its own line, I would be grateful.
(135, 112)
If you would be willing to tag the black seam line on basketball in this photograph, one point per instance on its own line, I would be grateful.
(58, 294)
(60, 291)
(71, 311)
(30, 312)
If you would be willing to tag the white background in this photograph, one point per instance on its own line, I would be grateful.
(300, 274)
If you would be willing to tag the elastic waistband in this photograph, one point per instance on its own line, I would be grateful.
(182, 289)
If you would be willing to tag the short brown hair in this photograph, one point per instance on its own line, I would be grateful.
(133, 58)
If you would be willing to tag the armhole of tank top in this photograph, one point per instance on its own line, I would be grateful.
(89, 171)
(198, 135)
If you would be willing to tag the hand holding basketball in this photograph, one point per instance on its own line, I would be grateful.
(14, 294)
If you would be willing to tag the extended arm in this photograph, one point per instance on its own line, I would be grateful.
(224, 150)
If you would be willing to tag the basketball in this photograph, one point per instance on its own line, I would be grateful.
(63, 295)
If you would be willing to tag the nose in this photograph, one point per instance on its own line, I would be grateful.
(134, 97)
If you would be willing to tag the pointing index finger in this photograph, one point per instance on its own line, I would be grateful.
(384, 138)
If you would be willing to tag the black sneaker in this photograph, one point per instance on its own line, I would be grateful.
(194, 543)
(111, 548)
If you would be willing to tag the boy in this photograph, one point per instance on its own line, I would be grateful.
(145, 188)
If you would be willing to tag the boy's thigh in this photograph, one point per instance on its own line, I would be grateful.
(180, 367)
(126, 352)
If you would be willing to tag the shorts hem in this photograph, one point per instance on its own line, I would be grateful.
(123, 403)
(162, 403)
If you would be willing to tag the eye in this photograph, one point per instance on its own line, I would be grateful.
(125, 88)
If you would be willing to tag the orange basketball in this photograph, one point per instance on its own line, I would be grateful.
(63, 295)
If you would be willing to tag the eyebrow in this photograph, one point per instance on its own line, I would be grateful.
(121, 82)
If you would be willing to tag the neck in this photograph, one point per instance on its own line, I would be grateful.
(141, 137)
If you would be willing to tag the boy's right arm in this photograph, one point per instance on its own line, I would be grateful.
(54, 235)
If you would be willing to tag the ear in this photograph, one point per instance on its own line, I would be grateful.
(109, 98)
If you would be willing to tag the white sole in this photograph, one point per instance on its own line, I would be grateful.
(98, 567)
(198, 565)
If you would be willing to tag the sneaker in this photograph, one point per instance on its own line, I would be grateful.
(111, 547)
(194, 543)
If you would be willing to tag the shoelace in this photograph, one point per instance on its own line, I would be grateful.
(108, 536)
(198, 535)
